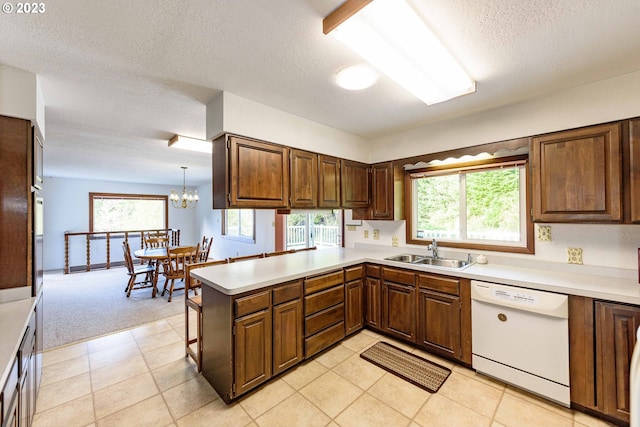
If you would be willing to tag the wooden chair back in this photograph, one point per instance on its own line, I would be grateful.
(276, 253)
(178, 258)
(156, 241)
(191, 283)
(205, 248)
(128, 260)
(312, 248)
(246, 257)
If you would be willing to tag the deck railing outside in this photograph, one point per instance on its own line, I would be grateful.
(323, 235)
(103, 241)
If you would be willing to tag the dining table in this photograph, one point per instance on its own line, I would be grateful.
(156, 256)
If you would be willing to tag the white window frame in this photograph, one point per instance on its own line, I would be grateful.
(239, 236)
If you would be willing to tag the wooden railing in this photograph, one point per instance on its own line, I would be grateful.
(108, 236)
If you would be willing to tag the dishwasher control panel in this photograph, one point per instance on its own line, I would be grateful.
(533, 300)
(514, 295)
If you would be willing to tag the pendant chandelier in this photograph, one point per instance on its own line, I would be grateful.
(188, 199)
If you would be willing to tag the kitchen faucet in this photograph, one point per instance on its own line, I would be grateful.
(433, 247)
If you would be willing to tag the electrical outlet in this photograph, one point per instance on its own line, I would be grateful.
(394, 240)
(574, 255)
(351, 228)
(376, 234)
(544, 233)
(366, 234)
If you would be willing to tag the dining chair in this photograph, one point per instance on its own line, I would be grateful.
(194, 303)
(205, 248)
(135, 271)
(276, 253)
(246, 257)
(174, 266)
(156, 242)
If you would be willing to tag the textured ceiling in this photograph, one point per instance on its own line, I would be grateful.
(120, 78)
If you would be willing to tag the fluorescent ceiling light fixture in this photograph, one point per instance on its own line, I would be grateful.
(192, 144)
(356, 77)
(390, 36)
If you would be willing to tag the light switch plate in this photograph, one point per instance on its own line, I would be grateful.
(351, 228)
(394, 240)
(574, 255)
(376, 234)
(366, 234)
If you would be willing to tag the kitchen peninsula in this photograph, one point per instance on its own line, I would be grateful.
(263, 316)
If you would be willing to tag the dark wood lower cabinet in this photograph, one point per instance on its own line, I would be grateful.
(353, 299)
(252, 350)
(602, 336)
(287, 335)
(439, 322)
(373, 304)
(398, 310)
(616, 326)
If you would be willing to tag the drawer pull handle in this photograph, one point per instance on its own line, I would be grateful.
(502, 317)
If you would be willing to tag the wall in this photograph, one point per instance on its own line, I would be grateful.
(66, 208)
(21, 95)
(229, 113)
(599, 102)
(210, 223)
(603, 245)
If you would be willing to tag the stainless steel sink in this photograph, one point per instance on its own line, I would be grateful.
(442, 262)
(411, 258)
(427, 260)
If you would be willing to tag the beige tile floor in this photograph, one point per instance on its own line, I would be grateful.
(140, 377)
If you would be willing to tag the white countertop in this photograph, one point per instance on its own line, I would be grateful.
(14, 318)
(240, 277)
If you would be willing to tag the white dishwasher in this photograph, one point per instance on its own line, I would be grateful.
(521, 336)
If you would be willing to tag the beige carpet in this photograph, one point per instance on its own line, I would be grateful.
(84, 305)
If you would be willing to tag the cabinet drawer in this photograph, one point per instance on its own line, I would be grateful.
(251, 304)
(318, 283)
(324, 339)
(441, 284)
(325, 299)
(287, 292)
(398, 276)
(353, 273)
(322, 319)
(9, 391)
(374, 271)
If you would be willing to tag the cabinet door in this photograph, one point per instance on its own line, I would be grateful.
(15, 209)
(398, 310)
(355, 184)
(577, 175)
(252, 351)
(374, 306)
(382, 191)
(439, 322)
(38, 155)
(353, 306)
(287, 335)
(304, 179)
(328, 182)
(634, 170)
(615, 338)
(259, 174)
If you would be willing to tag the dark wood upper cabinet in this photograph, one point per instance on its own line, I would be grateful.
(355, 177)
(382, 191)
(251, 173)
(577, 175)
(304, 179)
(328, 181)
(634, 170)
(16, 215)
